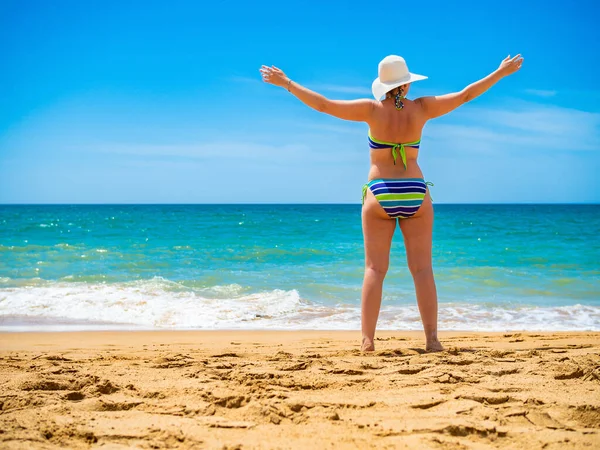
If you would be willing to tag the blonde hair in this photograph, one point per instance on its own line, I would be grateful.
(394, 91)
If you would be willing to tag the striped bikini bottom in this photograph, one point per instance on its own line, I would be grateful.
(401, 198)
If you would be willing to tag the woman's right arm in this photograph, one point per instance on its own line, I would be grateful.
(439, 105)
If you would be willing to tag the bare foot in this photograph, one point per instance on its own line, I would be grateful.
(367, 345)
(434, 346)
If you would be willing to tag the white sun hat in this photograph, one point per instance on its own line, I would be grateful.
(393, 72)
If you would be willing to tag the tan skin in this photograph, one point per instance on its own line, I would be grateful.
(391, 125)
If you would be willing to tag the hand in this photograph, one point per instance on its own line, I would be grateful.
(274, 76)
(509, 66)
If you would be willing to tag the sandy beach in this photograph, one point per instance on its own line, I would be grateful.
(297, 389)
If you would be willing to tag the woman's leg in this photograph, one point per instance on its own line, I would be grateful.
(378, 230)
(417, 232)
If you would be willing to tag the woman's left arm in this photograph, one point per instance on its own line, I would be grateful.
(356, 110)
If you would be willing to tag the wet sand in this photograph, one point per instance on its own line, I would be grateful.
(298, 389)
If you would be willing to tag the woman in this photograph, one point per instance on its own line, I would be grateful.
(396, 187)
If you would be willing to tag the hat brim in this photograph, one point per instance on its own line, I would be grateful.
(379, 89)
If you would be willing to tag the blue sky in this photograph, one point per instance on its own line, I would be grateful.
(161, 102)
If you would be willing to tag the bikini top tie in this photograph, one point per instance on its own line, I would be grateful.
(376, 144)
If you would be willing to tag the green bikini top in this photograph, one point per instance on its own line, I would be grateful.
(396, 147)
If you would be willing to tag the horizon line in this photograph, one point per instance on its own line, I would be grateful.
(288, 204)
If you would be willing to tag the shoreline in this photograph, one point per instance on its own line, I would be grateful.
(271, 331)
(297, 389)
(574, 318)
(43, 325)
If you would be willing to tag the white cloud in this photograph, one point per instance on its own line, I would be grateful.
(298, 151)
(318, 87)
(522, 125)
(201, 150)
(541, 92)
(330, 126)
(358, 90)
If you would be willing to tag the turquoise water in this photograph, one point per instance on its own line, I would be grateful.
(497, 267)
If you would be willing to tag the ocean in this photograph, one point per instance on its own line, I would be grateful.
(84, 267)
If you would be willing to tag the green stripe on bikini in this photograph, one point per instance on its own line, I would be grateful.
(399, 196)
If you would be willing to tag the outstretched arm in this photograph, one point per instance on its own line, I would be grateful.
(357, 110)
(439, 105)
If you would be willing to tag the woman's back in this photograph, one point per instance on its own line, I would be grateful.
(402, 126)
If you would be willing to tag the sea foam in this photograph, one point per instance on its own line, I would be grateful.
(159, 303)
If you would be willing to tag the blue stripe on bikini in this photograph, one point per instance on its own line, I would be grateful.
(401, 214)
(396, 180)
(404, 187)
(397, 185)
(393, 203)
(402, 190)
(407, 209)
(381, 145)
